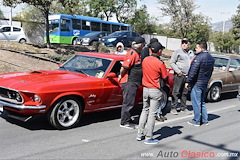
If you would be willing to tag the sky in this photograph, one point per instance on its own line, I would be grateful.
(217, 10)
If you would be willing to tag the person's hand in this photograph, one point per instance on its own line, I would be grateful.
(186, 85)
(180, 74)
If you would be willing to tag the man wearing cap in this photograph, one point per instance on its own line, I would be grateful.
(153, 71)
(130, 77)
(180, 62)
(146, 50)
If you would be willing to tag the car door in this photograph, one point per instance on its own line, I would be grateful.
(16, 33)
(127, 39)
(112, 89)
(6, 33)
(233, 75)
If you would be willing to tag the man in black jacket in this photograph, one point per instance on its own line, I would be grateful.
(198, 76)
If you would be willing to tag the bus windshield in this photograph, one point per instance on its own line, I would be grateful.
(53, 25)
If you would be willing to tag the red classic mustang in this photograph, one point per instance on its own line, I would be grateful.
(85, 83)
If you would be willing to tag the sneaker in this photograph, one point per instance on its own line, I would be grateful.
(161, 116)
(192, 122)
(140, 138)
(186, 111)
(174, 112)
(159, 119)
(128, 126)
(206, 123)
(152, 141)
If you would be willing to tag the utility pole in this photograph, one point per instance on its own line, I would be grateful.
(10, 17)
(224, 21)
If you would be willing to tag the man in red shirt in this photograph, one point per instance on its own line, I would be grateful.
(130, 77)
(153, 71)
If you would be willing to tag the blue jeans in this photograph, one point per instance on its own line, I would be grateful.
(151, 101)
(198, 103)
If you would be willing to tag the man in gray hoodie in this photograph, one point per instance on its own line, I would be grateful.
(180, 62)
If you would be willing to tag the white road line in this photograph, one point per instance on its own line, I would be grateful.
(190, 116)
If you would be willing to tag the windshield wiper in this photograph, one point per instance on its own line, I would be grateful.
(64, 68)
(81, 71)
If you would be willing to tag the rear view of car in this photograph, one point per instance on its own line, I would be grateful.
(124, 38)
(12, 33)
(91, 38)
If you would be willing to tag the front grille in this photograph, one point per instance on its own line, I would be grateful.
(10, 95)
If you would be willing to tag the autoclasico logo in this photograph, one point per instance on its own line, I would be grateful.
(190, 154)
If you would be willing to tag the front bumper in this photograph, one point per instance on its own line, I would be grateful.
(20, 106)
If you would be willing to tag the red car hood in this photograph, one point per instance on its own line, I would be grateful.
(38, 79)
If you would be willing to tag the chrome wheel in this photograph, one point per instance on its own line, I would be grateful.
(66, 113)
(214, 93)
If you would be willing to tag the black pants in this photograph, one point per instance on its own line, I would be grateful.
(179, 91)
(129, 90)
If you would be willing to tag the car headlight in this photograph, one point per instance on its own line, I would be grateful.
(36, 98)
(112, 39)
(14, 95)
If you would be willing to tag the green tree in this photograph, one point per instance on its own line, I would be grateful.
(224, 42)
(183, 21)
(125, 9)
(236, 24)
(141, 21)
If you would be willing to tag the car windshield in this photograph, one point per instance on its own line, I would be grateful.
(117, 34)
(220, 63)
(53, 25)
(91, 34)
(88, 65)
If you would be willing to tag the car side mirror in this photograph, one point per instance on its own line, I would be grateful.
(112, 75)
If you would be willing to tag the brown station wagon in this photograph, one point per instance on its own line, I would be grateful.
(225, 77)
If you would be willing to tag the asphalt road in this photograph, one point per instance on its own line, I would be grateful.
(99, 136)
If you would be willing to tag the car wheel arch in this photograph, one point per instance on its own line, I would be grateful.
(57, 98)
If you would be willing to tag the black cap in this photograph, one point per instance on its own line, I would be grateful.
(139, 40)
(152, 40)
(185, 40)
(156, 46)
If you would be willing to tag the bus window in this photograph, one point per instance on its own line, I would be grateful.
(124, 28)
(95, 26)
(115, 28)
(106, 27)
(86, 25)
(65, 25)
(76, 24)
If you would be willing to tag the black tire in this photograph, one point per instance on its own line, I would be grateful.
(65, 113)
(74, 41)
(164, 100)
(22, 40)
(214, 93)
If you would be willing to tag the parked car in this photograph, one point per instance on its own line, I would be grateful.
(91, 38)
(12, 33)
(124, 38)
(86, 83)
(225, 77)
